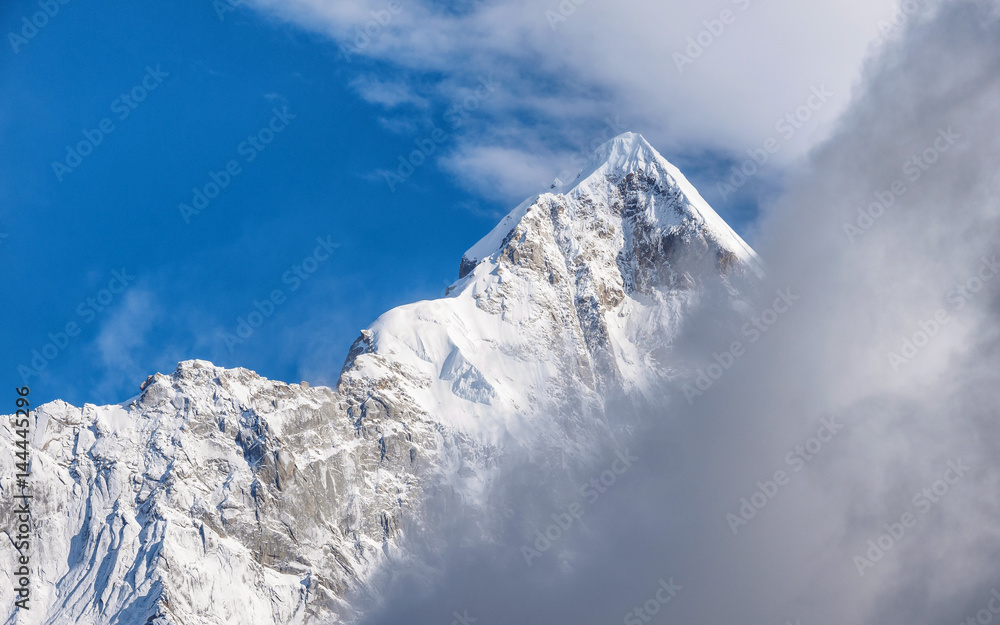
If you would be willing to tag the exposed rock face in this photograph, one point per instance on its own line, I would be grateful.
(217, 496)
(210, 484)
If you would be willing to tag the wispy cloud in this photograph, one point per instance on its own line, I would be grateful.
(122, 339)
(387, 94)
(595, 59)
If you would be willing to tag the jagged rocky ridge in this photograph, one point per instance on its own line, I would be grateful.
(217, 496)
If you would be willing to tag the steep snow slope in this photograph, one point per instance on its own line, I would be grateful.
(572, 296)
(217, 496)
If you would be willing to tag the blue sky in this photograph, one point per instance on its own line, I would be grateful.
(211, 83)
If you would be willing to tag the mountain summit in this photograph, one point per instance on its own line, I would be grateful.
(216, 496)
(574, 294)
(630, 156)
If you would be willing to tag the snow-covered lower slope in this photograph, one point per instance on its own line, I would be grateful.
(217, 496)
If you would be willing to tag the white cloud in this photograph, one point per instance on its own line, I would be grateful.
(122, 339)
(500, 168)
(614, 58)
(387, 94)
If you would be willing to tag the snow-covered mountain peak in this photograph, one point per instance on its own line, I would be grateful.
(626, 153)
(623, 174)
(572, 296)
